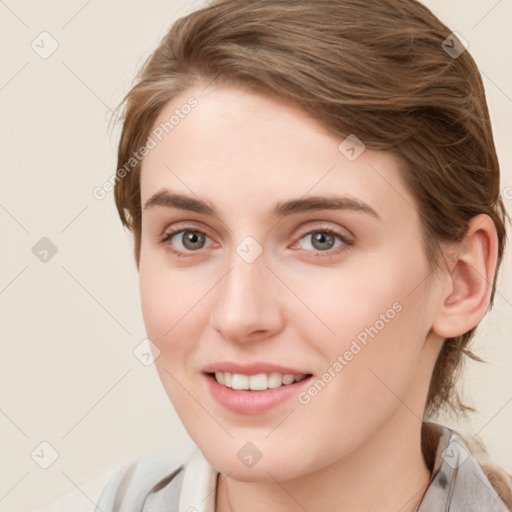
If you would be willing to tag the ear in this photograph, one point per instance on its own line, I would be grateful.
(469, 279)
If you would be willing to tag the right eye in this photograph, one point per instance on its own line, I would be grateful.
(185, 240)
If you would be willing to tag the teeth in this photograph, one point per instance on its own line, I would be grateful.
(258, 382)
(274, 380)
(240, 381)
(288, 379)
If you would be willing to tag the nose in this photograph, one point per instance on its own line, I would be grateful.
(247, 305)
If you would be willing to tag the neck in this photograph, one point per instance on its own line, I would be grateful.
(388, 473)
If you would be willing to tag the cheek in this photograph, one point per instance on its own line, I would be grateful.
(166, 312)
(155, 302)
(169, 317)
(175, 307)
(379, 317)
(370, 368)
(169, 297)
(364, 297)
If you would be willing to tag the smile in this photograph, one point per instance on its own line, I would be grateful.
(253, 389)
(258, 382)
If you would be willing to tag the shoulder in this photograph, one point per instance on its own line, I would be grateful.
(136, 482)
(462, 475)
(498, 478)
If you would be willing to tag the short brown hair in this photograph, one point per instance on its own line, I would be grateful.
(376, 69)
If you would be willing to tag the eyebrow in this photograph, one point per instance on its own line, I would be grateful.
(167, 199)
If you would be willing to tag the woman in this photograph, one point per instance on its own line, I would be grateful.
(313, 191)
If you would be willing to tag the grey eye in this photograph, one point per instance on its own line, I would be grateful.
(321, 240)
(190, 240)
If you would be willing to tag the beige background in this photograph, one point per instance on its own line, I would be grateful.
(69, 326)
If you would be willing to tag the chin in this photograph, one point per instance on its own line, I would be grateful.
(269, 470)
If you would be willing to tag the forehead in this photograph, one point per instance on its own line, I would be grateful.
(229, 122)
(261, 147)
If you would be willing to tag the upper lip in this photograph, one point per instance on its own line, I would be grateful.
(251, 368)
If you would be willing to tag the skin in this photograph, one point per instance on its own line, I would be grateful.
(298, 305)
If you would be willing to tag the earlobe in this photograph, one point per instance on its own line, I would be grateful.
(469, 279)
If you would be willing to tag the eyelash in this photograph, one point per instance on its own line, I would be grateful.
(346, 242)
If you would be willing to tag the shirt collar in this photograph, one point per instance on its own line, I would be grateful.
(199, 485)
(457, 481)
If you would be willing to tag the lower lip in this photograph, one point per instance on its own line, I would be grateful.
(245, 401)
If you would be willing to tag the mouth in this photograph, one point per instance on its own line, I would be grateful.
(253, 390)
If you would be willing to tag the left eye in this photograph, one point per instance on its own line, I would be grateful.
(323, 240)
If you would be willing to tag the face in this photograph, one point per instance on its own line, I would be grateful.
(273, 259)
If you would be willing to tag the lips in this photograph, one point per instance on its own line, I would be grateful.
(253, 388)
